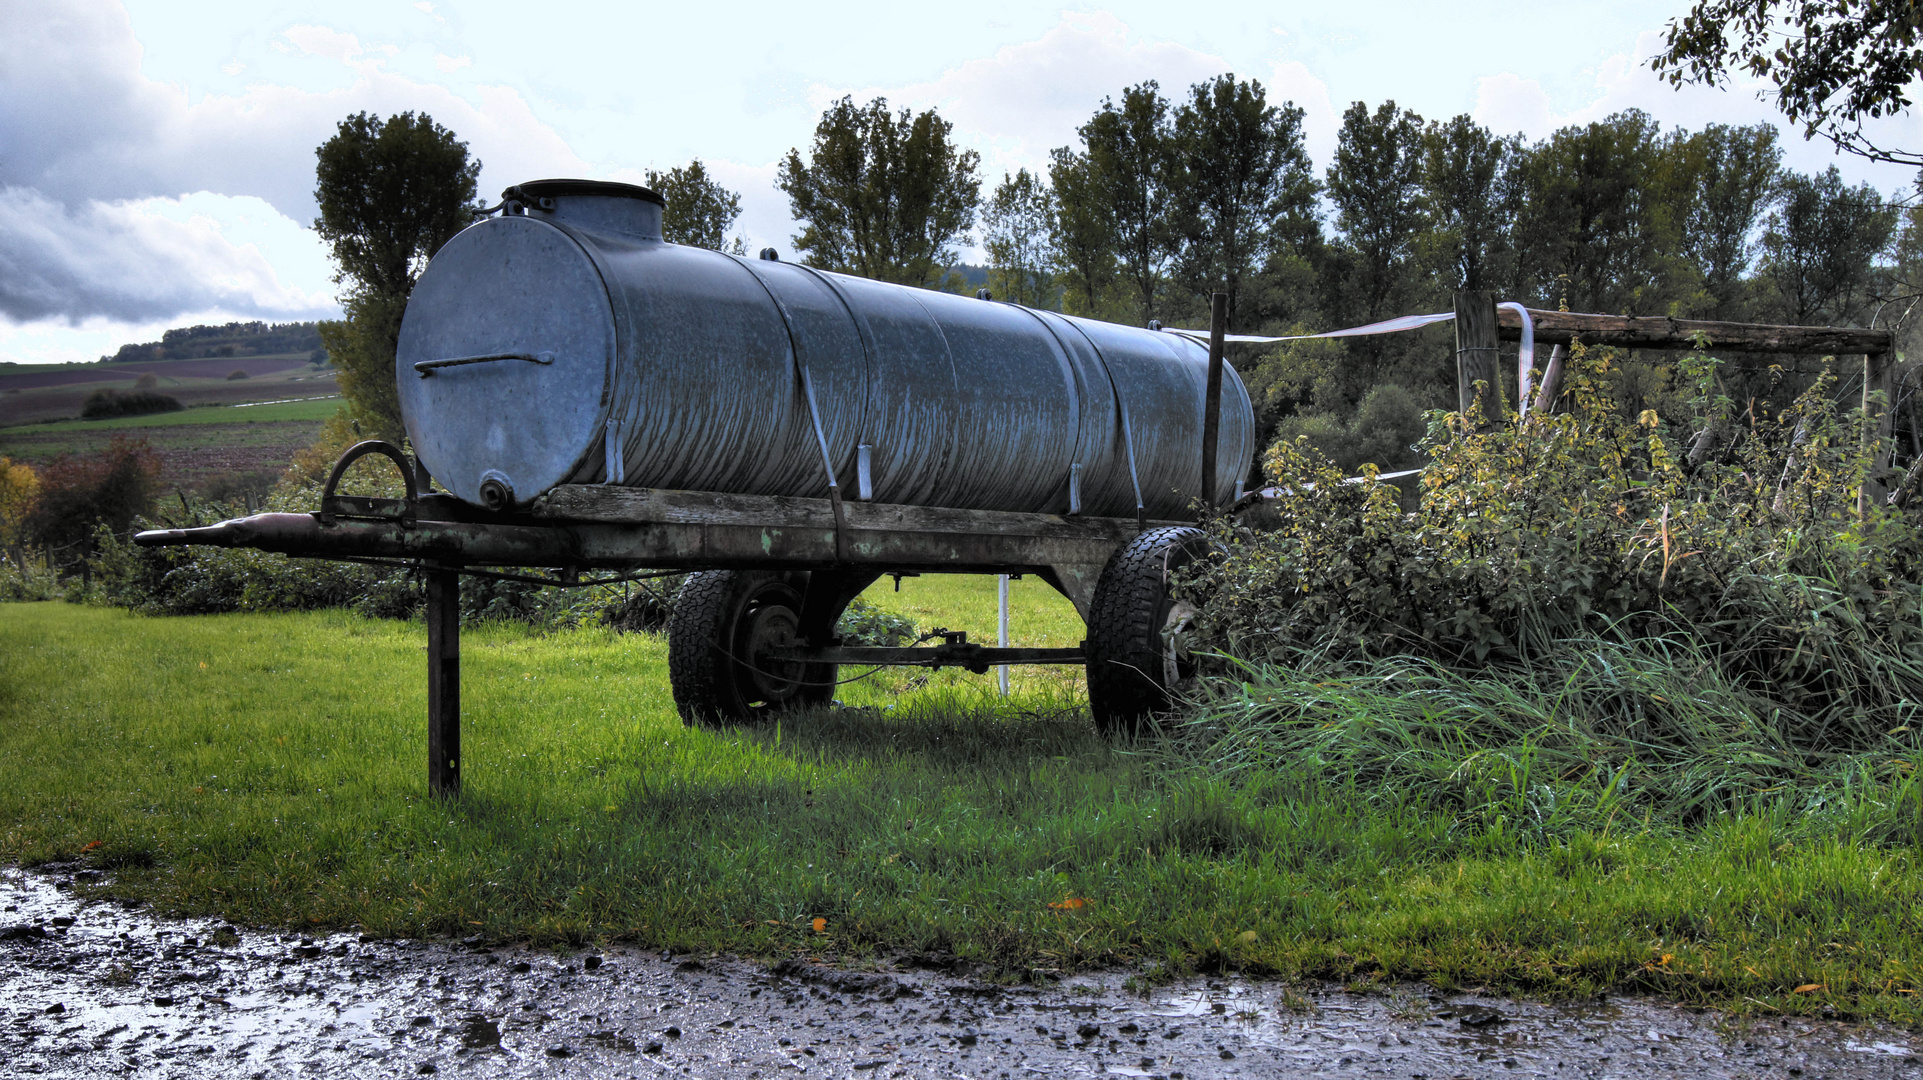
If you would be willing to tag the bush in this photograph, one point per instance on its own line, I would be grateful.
(865, 624)
(1387, 426)
(19, 485)
(238, 487)
(27, 577)
(149, 381)
(77, 494)
(236, 374)
(1536, 539)
(107, 402)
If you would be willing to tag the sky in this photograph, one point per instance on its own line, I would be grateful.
(157, 159)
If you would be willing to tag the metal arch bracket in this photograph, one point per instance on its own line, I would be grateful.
(332, 505)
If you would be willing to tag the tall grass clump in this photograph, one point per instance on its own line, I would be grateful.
(1595, 612)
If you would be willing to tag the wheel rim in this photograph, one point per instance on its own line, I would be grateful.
(769, 621)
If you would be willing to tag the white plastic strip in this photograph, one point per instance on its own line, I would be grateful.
(1387, 326)
(1525, 357)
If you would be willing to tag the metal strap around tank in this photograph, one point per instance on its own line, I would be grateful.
(1128, 430)
(814, 412)
(861, 333)
(1074, 467)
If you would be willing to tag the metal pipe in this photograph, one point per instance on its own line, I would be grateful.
(1001, 628)
(1212, 396)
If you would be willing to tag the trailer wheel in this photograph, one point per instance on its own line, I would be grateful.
(1130, 667)
(724, 624)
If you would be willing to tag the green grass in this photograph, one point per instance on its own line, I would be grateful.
(311, 409)
(270, 769)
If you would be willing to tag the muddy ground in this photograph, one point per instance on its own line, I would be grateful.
(94, 987)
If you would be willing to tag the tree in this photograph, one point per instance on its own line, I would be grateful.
(1240, 185)
(19, 484)
(1018, 225)
(700, 211)
(1586, 226)
(1084, 234)
(1468, 189)
(1721, 179)
(1821, 246)
(78, 494)
(882, 194)
(1128, 158)
(390, 193)
(1376, 185)
(1834, 63)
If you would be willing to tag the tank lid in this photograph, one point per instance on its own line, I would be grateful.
(532, 190)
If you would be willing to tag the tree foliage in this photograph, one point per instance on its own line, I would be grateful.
(1240, 186)
(78, 495)
(700, 210)
(1127, 162)
(391, 192)
(1833, 63)
(1085, 236)
(19, 484)
(1018, 226)
(881, 194)
(1820, 245)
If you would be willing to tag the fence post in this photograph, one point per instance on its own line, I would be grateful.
(1877, 378)
(1212, 397)
(1476, 354)
(443, 681)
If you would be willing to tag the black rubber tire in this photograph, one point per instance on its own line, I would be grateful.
(1127, 655)
(712, 643)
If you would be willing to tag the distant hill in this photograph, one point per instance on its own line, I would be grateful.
(233, 339)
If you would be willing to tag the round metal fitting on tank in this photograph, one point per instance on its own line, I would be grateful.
(564, 342)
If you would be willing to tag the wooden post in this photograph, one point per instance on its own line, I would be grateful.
(1876, 379)
(1212, 397)
(1476, 354)
(443, 681)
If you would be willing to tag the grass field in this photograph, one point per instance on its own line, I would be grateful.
(270, 769)
(32, 393)
(194, 444)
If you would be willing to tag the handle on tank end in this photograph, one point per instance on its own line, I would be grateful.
(428, 367)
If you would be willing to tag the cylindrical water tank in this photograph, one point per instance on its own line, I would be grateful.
(567, 344)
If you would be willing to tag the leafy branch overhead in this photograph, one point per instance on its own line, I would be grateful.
(1833, 63)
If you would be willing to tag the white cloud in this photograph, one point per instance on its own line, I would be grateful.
(325, 42)
(1508, 103)
(137, 261)
(1029, 98)
(445, 63)
(1291, 80)
(82, 123)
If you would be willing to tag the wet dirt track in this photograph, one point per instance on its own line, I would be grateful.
(90, 988)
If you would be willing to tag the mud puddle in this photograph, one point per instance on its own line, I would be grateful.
(91, 987)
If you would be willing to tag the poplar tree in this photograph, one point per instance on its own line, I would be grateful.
(1018, 222)
(881, 194)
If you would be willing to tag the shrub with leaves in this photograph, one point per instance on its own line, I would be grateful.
(1737, 533)
(77, 494)
(865, 624)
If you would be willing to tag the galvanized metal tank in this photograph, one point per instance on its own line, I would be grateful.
(565, 343)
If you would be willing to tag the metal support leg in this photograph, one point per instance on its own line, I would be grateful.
(443, 682)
